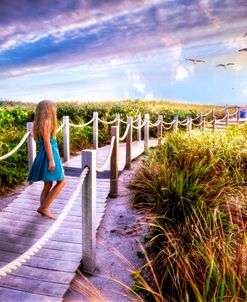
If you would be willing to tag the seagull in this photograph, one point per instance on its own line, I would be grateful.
(225, 65)
(243, 49)
(195, 61)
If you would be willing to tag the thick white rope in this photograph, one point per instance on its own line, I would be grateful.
(125, 133)
(156, 124)
(107, 123)
(60, 128)
(82, 125)
(234, 113)
(183, 121)
(183, 124)
(142, 125)
(8, 268)
(222, 119)
(135, 121)
(123, 122)
(17, 147)
(168, 124)
(197, 125)
(196, 118)
(209, 112)
(168, 128)
(103, 168)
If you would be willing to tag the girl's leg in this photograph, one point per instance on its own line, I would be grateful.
(50, 198)
(45, 191)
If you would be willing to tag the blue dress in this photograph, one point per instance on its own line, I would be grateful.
(39, 170)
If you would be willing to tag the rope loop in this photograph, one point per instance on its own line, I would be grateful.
(125, 133)
(107, 123)
(103, 168)
(17, 147)
(82, 125)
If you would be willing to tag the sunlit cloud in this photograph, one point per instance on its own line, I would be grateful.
(138, 83)
(149, 96)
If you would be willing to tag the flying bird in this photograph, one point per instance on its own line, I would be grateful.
(195, 61)
(243, 49)
(245, 35)
(225, 65)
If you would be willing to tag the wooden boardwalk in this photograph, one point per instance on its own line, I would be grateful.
(48, 274)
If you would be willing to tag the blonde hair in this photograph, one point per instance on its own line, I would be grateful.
(46, 111)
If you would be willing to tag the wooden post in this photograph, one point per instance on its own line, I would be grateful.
(200, 120)
(146, 133)
(214, 124)
(227, 117)
(114, 163)
(89, 212)
(95, 130)
(188, 124)
(66, 148)
(159, 128)
(31, 145)
(175, 125)
(129, 143)
(213, 113)
(118, 120)
(238, 115)
(203, 124)
(139, 131)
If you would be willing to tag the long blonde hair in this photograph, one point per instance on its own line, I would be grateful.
(46, 111)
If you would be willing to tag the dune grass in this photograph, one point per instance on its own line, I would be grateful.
(194, 186)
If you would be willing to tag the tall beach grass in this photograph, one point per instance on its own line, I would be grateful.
(194, 185)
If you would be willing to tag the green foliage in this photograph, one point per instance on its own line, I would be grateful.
(15, 115)
(195, 186)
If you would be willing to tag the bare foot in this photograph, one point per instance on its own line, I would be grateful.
(46, 213)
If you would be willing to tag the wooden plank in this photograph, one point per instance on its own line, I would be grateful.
(33, 286)
(44, 252)
(41, 262)
(56, 245)
(13, 295)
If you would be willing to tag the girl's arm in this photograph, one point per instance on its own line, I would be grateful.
(47, 144)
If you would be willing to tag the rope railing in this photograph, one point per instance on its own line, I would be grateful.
(13, 265)
(183, 123)
(168, 128)
(196, 118)
(103, 168)
(17, 147)
(82, 125)
(141, 126)
(107, 123)
(122, 138)
(208, 113)
(60, 128)
(168, 124)
(222, 119)
(155, 124)
(123, 122)
(197, 125)
(234, 113)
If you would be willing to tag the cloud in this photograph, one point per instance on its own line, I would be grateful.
(149, 96)
(181, 73)
(138, 83)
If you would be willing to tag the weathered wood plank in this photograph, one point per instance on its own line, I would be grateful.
(13, 295)
(33, 286)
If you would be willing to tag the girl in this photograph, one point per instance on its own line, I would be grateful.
(47, 165)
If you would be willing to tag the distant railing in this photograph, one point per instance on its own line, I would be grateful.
(89, 168)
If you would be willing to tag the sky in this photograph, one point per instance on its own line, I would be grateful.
(92, 50)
